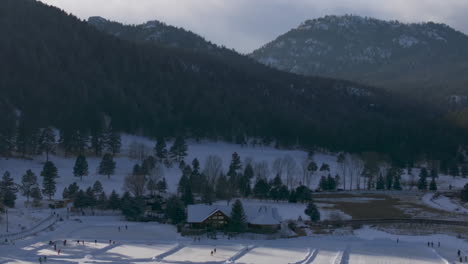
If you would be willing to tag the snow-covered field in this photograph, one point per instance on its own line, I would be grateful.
(158, 243)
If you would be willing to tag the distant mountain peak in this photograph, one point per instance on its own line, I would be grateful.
(398, 56)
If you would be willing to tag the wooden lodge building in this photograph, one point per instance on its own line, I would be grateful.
(201, 216)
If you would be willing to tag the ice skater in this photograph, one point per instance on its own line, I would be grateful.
(211, 252)
(40, 260)
(119, 228)
(126, 227)
(58, 252)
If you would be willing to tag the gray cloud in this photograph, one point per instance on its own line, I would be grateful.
(247, 24)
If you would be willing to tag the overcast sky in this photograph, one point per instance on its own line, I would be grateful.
(248, 24)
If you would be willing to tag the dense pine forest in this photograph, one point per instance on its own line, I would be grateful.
(60, 72)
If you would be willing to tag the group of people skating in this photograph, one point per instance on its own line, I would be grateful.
(460, 257)
(213, 251)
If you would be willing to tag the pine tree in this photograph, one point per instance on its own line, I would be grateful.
(331, 183)
(36, 195)
(389, 178)
(312, 212)
(175, 210)
(248, 171)
(238, 220)
(236, 164)
(207, 194)
(187, 196)
(397, 182)
(8, 190)
(107, 165)
(97, 141)
(97, 188)
(162, 186)
(422, 182)
(101, 201)
(160, 150)
(433, 185)
(114, 201)
(178, 150)
(152, 187)
(323, 183)
(112, 141)
(453, 169)
(434, 173)
(80, 168)
(28, 182)
(73, 190)
(380, 183)
(325, 167)
(464, 170)
(65, 193)
(47, 142)
(90, 197)
(303, 194)
(49, 174)
(261, 189)
(222, 190)
(464, 193)
(80, 200)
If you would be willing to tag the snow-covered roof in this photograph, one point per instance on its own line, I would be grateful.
(256, 215)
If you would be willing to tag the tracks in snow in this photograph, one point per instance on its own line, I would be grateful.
(239, 254)
(160, 257)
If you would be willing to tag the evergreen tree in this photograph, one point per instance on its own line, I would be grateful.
(261, 189)
(80, 168)
(112, 141)
(73, 190)
(283, 193)
(244, 185)
(323, 183)
(133, 208)
(28, 182)
(114, 201)
(222, 190)
(90, 197)
(238, 220)
(175, 210)
(433, 185)
(36, 195)
(162, 186)
(434, 173)
(325, 167)
(313, 212)
(102, 200)
(97, 188)
(107, 165)
(65, 193)
(249, 172)
(208, 194)
(277, 182)
(97, 141)
(8, 190)
(380, 183)
(303, 194)
(80, 200)
(331, 183)
(292, 197)
(160, 150)
(397, 182)
(422, 182)
(179, 149)
(464, 170)
(235, 165)
(152, 187)
(389, 178)
(49, 174)
(312, 167)
(187, 195)
(184, 181)
(453, 169)
(464, 193)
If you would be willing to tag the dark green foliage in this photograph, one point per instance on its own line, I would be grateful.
(292, 197)
(8, 190)
(464, 170)
(162, 186)
(28, 182)
(107, 165)
(112, 141)
(49, 175)
(65, 193)
(97, 188)
(178, 150)
(244, 185)
(249, 172)
(133, 208)
(433, 185)
(90, 197)
(397, 182)
(303, 194)
(160, 150)
(36, 195)
(464, 194)
(238, 220)
(208, 194)
(47, 142)
(80, 168)
(261, 189)
(73, 190)
(222, 188)
(313, 212)
(114, 202)
(325, 167)
(422, 182)
(151, 186)
(380, 183)
(175, 210)
(453, 169)
(312, 167)
(434, 173)
(80, 200)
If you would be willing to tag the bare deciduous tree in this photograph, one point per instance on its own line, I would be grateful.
(213, 168)
(138, 151)
(290, 169)
(261, 170)
(135, 184)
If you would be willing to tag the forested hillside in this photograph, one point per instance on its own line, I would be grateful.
(427, 61)
(60, 71)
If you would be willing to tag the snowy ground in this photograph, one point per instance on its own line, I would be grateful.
(444, 203)
(158, 243)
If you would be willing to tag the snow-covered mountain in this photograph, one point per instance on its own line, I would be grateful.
(426, 60)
